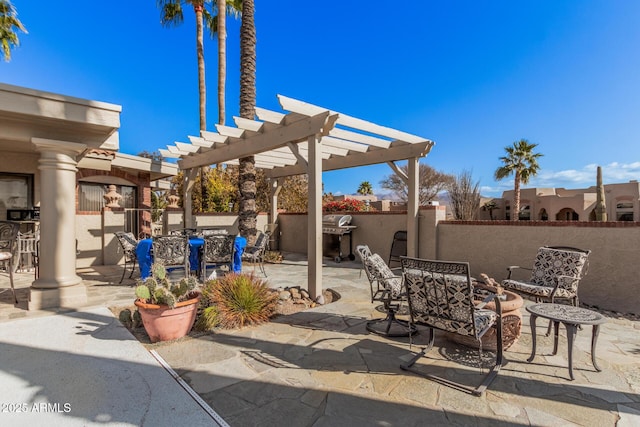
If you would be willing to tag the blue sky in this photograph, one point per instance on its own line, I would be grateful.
(472, 76)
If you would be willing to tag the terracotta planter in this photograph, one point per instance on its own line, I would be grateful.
(511, 323)
(163, 323)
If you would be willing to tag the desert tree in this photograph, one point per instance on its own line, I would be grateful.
(464, 196)
(430, 182)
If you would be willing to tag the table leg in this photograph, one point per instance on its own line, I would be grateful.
(532, 321)
(594, 340)
(572, 330)
(556, 330)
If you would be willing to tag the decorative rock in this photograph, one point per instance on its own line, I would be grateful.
(320, 299)
(284, 295)
(304, 293)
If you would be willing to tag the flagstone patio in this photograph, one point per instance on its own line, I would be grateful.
(321, 367)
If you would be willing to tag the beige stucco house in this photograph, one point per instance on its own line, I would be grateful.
(559, 204)
(57, 155)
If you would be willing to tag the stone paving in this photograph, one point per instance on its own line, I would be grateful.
(321, 367)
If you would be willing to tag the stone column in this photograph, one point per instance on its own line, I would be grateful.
(58, 284)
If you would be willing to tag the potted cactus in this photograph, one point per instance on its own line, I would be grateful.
(168, 310)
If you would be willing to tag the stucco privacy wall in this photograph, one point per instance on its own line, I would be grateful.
(375, 229)
(613, 279)
(227, 221)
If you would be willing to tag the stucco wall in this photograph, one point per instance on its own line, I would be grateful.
(375, 229)
(89, 234)
(228, 221)
(613, 278)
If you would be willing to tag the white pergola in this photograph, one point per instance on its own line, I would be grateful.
(307, 139)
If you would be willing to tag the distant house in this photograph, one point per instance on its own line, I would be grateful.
(559, 204)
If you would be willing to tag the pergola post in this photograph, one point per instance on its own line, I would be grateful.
(275, 188)
(314, 237)
(188, 182)
(412, 208)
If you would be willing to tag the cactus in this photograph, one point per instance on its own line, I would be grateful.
(601, 208)
(143, 292)
(158, 289)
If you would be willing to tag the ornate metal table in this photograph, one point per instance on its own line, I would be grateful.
(571, 317)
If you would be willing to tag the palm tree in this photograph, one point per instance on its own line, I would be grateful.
(523, 163)
(247, 214)
(172, 14)
(9, 25)
(365, 188)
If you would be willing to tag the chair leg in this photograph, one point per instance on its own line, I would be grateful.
(13, 289)
(124, 271)
(261, 261)
(476, 391)
(133, 269)
(384, 326)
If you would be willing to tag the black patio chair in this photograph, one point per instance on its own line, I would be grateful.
(398, 248)
(441, 297)
(255, 253)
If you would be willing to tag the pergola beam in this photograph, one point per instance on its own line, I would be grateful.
(258, 143)
(360, 159)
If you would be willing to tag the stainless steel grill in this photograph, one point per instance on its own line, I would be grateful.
(334, 227)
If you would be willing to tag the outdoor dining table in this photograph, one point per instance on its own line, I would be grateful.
(145, 257)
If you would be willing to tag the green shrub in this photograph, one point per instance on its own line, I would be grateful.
(240, 299)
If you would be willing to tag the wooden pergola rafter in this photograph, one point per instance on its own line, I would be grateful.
(307, 139)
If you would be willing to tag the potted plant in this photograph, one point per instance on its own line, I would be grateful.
(167, 309)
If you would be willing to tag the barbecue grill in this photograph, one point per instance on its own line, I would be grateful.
(334, 227)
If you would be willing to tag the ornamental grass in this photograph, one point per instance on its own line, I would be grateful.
(240, 300)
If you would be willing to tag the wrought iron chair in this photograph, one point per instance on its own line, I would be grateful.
(8, 247)
(171, 251)
(128, 244)
(255, 253)
(441, 297)
(555, 275)
(387, 288)
(217, 250)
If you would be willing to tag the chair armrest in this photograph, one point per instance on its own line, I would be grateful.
(566, 280)
(491, 297)
(513, 268)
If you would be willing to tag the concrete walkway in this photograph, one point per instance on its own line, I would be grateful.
(316, 368)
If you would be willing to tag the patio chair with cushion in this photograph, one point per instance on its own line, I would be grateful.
(555, 275)
(255, 253)
(8, 249)
(128, 244)
(440, 296)
(387, 288)
(217, 250)
(172, 252)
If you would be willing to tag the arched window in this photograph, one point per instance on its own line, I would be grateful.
(567, 214)
(543, 215)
